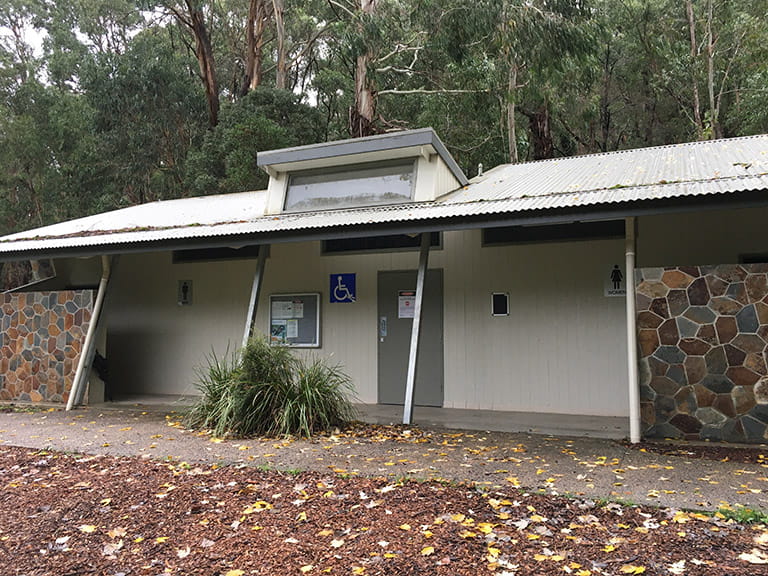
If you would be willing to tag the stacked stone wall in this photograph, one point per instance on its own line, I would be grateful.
(703, 337)
(41, 335)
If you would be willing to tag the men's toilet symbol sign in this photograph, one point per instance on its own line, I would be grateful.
(343, 288)
(615, 282)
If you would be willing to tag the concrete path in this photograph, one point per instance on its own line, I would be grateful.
(586, 467)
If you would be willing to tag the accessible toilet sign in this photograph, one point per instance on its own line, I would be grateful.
(615, 281)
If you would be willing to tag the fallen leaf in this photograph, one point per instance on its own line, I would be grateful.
(754, 557)
(631, 569)
(183, 552)
(677, 567)
(427, 551)
(117, 533)
(234, 573)
(337, 543)
(307, 568)
(88, 528)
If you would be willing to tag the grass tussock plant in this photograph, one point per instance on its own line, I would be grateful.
(266, 390)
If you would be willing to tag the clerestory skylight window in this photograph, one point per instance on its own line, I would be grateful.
(370, 184)
(386, 169)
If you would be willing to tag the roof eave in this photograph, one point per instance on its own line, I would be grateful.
(734, 200)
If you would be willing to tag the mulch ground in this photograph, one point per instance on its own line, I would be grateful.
(69, 514)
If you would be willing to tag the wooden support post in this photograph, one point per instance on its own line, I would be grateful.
(413, 356)
(253, 304)
(632, 369)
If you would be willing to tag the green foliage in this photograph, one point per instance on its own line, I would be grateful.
(109, 110)
(266, 390)
(264, 119)
(744, 515)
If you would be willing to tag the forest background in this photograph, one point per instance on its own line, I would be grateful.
(109, 103)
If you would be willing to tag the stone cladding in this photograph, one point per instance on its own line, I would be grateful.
(702, 334)
(41, 334)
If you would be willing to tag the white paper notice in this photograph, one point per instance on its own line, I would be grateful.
(292, 329)
(298, 309)
(406, 302)
(281, 310)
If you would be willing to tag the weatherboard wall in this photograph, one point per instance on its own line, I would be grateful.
(562, 349)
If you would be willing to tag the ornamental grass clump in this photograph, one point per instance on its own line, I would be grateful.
(267, 391)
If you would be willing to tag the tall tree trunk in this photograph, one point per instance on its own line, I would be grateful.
(205, 61)
(605, 101)
(541, 132)
(698, 123)
(511, 106)
(281, 79)
(361, 116)
(714, 107)
(257, 22)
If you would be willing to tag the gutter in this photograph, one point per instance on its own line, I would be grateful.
(83, 365)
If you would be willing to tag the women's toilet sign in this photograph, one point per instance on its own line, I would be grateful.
(615, 282)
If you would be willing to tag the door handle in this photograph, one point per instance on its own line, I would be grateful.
(382, 328)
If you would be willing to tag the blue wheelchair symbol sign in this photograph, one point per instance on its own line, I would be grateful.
(343, 288)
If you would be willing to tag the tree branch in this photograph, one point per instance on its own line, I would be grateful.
(425, 91)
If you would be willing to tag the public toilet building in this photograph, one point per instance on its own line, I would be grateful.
(618, 294)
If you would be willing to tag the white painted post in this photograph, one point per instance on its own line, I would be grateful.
(85, 351)
(632, 368)
(253, 304)
(410, 383)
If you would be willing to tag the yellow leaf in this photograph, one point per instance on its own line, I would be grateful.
(337, 543)
(302, 517)
(325, 532)
(467, 534)
(537, 518)
(105, 502)
(88, 528)
(427, 551)
(493, 551)
(234, 573)
(390, 555)
(427, 534)
(557, 558)
(540, 557)
(583, 573)
(307, 568)
(458, 517)
(609, 548)
(358, 570)
(631, 569)
(485, 527)
(161, 539)
(405, 527)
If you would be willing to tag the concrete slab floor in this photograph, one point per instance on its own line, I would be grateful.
(491, 420)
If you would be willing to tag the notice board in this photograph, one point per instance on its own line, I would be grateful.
(294, 320)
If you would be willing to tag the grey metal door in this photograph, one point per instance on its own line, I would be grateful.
(395, 289)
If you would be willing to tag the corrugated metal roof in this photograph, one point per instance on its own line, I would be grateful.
(685, 170)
